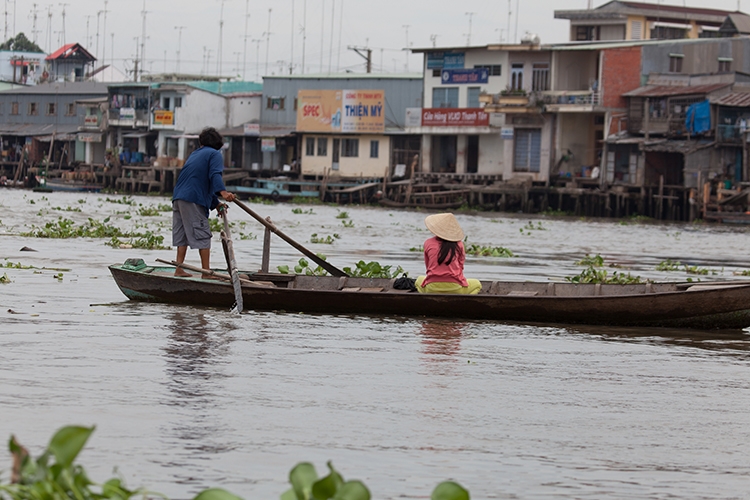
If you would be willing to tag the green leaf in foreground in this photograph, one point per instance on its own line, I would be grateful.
(216, 494)
(449, 490)
(68, 442)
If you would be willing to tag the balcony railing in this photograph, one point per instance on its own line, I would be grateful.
(729, 134)
(571, 98)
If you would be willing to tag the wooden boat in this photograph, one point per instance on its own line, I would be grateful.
(721, 305)
(70, 185)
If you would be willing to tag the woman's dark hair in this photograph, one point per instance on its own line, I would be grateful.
(448, 251)
(211, 137)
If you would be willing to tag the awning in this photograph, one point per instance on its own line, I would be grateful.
(58, 137)
(135, 135)
(28, 130)
(89, 137)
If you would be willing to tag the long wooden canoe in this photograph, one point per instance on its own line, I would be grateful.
(705, 306)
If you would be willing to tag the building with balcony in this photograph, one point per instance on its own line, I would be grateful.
(70, 63)
(623, 20)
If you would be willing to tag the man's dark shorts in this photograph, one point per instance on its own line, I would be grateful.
(190, 225)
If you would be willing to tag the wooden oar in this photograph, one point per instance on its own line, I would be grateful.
(210, 272)
(335, 271)
(232, 264)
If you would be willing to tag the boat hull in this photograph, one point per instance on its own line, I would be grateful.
(716, 308)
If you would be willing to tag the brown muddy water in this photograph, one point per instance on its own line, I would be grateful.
(186, 398)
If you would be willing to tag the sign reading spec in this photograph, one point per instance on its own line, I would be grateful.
(455, 117)
(358, 111)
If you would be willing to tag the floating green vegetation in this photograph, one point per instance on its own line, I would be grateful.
(4, 279)
(306, 200)
(348, 223)
(487, 251)
(419, 248)
(66, 228)
(125, 200)
(66, 209)
(594, 275)
(302, 211)
(248, 236)
(342, 215)
(303, 267)
(595, 261)
(261, 201)
(529, 227)
(372, 269)
(58, 277)
(669, 265)
(696, 270)
(15, 265)
(147, 241)
(326, 240)
(746, 272)
(216, 224)
(81, 201)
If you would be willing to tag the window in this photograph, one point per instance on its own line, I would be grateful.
(516, 76)
(178, 102)
(322, 146)
(14, 108)
(492, 69)
(675, 63)
(71, 109)
(445, 97)
(51, 109)
(165, 103)
(33, 109)
(276, 103)
(725, 65)
(472, 97)
(527, 153)
(636, 30)
(310, 146)
(585, 33)
(295, 104)
(350, 148)
(437, 73)
(374, 147)
(1, 108)
(667, 33)
(540, 76)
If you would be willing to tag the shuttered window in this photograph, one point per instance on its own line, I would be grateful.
(527, 153)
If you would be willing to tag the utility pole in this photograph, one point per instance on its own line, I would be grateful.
(179, 45)
(143, 38)
(244, 41)
(135, 64)
(322, 32)
(63, 5)
(304, 33)
(365, 53)
(330, 44)
(257, 42)
(406, 27)
(5, 37)
(219, 68)
(291, 57)
(268, 38)
(468, 37)
(104, 34)
(34, 11)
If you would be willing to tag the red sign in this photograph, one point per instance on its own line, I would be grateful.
(455, 117)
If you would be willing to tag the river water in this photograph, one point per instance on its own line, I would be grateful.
(187, 398)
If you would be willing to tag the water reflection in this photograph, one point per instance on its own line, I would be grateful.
(441, 339)
(194, 354)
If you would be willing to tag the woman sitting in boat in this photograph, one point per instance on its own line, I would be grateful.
(444, 258)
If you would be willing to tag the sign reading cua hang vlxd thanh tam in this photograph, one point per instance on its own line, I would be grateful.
(354, 111)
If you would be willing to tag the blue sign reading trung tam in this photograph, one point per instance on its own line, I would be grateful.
(464, 76)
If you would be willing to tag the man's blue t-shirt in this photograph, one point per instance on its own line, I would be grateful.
(200, 179)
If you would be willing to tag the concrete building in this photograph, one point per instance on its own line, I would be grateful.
(366, 138)
(21, 67)
(623, 20)
(69, 63)
(48, 112)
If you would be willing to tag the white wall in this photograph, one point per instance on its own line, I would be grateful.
(491, 154)
(244, 109)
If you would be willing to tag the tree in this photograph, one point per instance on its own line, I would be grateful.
(21, 44)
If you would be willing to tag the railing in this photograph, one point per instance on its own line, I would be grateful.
(571, 97)
(729, 133)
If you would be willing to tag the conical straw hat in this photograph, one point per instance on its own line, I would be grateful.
(444, 226)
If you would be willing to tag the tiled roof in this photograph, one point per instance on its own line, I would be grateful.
(733, 99)
(668, 90)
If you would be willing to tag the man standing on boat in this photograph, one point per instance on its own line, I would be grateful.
(196, 193)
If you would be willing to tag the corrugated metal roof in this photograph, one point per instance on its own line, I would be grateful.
(83, 88)
(36, 130)
(354, 76)
(734, 99)
(71, 50)
(667, 90)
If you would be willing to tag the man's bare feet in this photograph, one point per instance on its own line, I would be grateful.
(182, 274)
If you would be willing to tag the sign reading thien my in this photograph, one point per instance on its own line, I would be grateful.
(354, 111)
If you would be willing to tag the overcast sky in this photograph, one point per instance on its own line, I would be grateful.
(383, 25)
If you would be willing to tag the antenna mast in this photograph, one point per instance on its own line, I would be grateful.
(104, 34)
(143, 39)
(330, 43)
(179, 45)
(221, 40)
(291, 57)
(268, 38)
(63, 22)
(244, 52)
